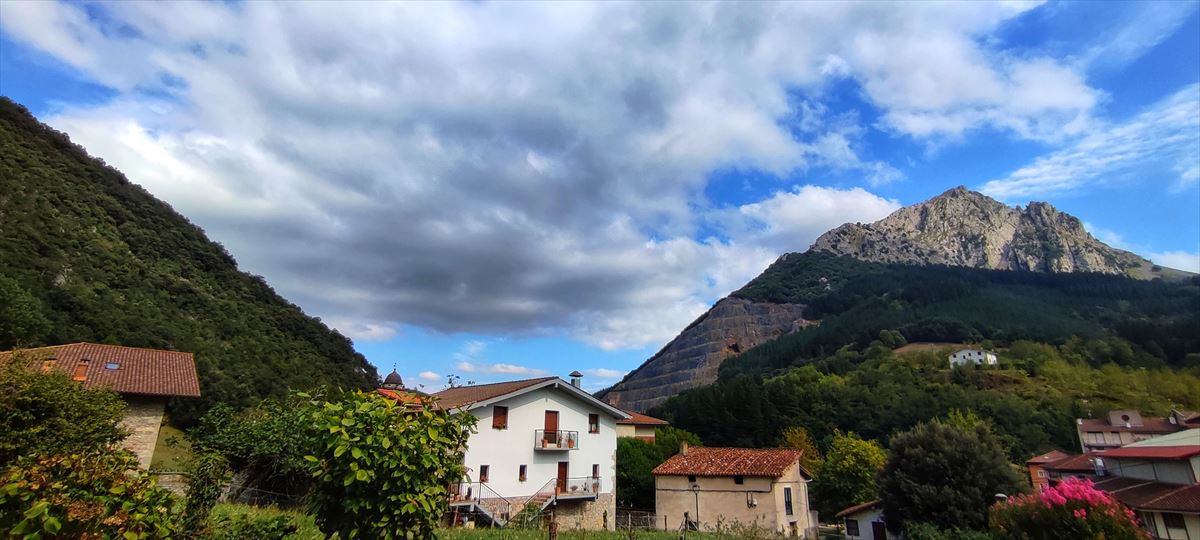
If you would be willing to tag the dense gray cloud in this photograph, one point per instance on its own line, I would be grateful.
(511, 167)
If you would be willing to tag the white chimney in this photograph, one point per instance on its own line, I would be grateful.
(683, 448)
(576, 376)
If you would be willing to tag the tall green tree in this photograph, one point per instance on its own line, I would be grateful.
(637, 458)
(945, 476)
(847, 475)
(48, 413)
(797, 437)
(21, 319)
(381, 470)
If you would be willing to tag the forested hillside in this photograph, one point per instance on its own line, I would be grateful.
(1071, 345)
(85, 255)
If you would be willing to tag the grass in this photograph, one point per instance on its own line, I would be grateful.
(307, 527)
(171, 451)
(928, 346)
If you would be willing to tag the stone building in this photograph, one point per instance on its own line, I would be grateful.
(639, 426)
(711, 489)
(1124, 427)
(145, 378)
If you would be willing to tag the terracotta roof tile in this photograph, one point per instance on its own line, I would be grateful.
(1153, 452)
(403, 397)
(1145, 495)
(1075, 463)
(1048, 457)
(639, 419)
(870, 505)
(707, 461)
(459, 396)
(150, 372)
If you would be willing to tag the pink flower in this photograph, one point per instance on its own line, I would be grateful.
(1080, 513)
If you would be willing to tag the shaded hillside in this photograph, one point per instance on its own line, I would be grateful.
(92, 257)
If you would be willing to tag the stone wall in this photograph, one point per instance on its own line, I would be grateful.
(587, 515)
(143, 419)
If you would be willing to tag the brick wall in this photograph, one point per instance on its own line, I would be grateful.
(142, 420)
(587, 515)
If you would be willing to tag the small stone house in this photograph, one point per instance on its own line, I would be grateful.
(145, 379)
(978, 357)
(639, 426)
(865, 522)
(714, 488)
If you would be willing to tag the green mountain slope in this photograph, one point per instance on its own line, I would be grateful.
(1071, 344)
(93, 257)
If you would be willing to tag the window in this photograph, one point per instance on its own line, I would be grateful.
(1041, 473)
(787, 500)
(112, 365)
(593, 423)
(692, 478)
(739, 480)
(851, 527)
(1173, 521)
(80, 371)
(596, 471)
(499, 417)
(483, 473)
(521, 475)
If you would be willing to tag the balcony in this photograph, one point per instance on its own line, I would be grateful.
(555, 440)
(585, 487)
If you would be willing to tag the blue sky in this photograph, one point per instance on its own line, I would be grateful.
(500, 190)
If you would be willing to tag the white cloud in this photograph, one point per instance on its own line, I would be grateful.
(429, 376)
(498, 369)
(604, 373)
(363, 330)
(1144, 26)
(1164, 136)
(523, 167)
(1180, 260)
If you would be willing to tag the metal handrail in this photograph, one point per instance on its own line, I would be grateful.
(555, 439)
(483, 496)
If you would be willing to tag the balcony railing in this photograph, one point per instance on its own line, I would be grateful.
(555, 440)
(584, 487)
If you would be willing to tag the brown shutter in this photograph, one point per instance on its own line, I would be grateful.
(593, 423)
(500, 417)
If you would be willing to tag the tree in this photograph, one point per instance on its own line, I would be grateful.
(1072, 509)
(381, 470)
(48, 413)
(635, 484)
(944, 476)
(847, 475)
(798, 438)
(266, 444)
(100, 494)
(21, 319)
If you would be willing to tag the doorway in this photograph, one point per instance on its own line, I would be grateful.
(551, 427)
(564, 468)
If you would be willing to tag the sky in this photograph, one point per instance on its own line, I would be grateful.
(500, 190)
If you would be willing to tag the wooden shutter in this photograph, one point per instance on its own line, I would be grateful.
(500, 417)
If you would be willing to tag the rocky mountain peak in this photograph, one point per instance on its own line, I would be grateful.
(966, 228)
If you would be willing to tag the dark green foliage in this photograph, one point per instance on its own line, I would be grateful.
(48, 413)
(266, 444)
(107, 262)
(21, 319)
(92, 495)
(925, 531)
(207, 472)
(944, 475)
(636, 458)
(381, 471)
(251, 526)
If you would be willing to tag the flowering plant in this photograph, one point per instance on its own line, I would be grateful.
(1072, 509)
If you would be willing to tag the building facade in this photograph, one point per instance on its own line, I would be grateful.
(714, 489)
(865, 522)
(145, 378)
(540, 442)
(976, 357)
(639, 426)
(1123, 427)
(1159, 479)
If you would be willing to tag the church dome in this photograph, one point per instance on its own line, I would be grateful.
(393, 380)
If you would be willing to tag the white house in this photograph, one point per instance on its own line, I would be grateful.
(541, 443)
(865, 522)
(973, 356)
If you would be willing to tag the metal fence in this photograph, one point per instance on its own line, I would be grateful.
(638, 520)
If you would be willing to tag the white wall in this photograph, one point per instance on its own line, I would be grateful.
(864, 519)
(504, 450)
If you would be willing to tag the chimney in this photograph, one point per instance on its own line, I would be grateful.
(683, 448)
(575, 378)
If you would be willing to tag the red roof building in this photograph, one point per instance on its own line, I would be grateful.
(640, 426)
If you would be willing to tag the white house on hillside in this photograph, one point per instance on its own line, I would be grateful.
(973, 356)
(542, 442)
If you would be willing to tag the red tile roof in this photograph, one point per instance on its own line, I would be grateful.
(1160, 496)
(706, 461)
(459, 396)
(1051, 456)
(1153, 452)
(639, 419)
(150, 372)
(1149, 425)
(870, 505)
(403, 397)
(1076, 463)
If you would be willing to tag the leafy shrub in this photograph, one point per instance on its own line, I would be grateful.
(266, 444)
(382, 470)
(48, 413)
(847, 476)
(86, 496)
(208, 471)
(251, 526)
(925, 531)
(1072, 509)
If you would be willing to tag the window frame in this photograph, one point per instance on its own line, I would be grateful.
(522, 473)
(593, 423)
(739, 480)
(499, 417)
(595, 470)
(1181, 524)
(692, 478)
(484, 473)
(852, 527)
(787, 501)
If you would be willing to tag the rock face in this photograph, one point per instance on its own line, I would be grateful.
(691, 359)
(965, 228)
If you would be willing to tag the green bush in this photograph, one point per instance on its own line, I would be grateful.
(86, 496)
(381, 470)
(925, 531)
(48, 413)
(251, 527)
(207, 473)
(1072, 509)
